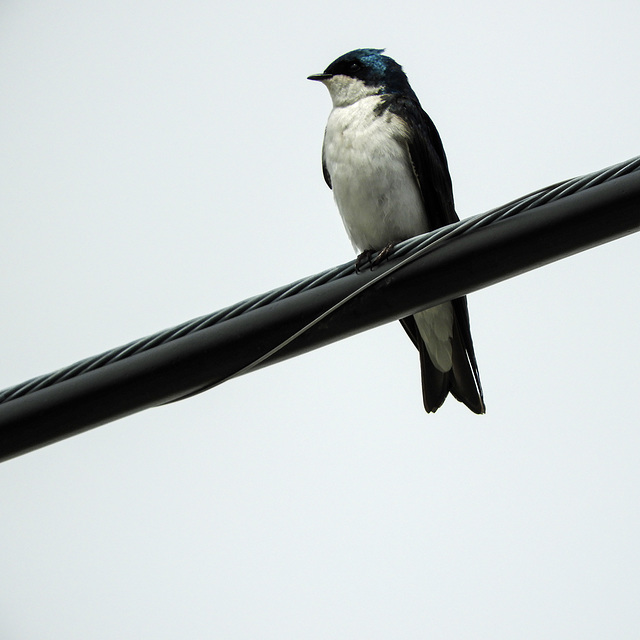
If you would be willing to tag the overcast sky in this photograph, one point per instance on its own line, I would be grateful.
(161, 160)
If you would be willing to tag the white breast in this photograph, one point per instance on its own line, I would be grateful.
(377, 194)
(372, 180)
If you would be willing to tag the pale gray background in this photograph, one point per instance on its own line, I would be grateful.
(161, 160)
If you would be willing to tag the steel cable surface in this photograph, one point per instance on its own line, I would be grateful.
(425, 271)
(412, 248)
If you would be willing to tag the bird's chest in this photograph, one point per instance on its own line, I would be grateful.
(367, 157)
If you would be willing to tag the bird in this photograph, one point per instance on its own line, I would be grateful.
(385, 163)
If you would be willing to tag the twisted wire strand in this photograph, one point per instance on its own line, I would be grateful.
(411, 249)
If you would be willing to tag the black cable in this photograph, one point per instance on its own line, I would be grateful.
(421, 272)
(414, 247)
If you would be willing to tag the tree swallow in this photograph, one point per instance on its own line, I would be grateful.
(384, 160)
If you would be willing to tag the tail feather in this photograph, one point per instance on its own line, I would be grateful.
(463, 380)
(435, 383)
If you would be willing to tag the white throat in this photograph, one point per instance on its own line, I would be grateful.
(345, 91)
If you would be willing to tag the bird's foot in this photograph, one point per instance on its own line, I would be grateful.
(382, 255)
(364, 259)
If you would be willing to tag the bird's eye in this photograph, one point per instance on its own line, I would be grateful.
(354, 66)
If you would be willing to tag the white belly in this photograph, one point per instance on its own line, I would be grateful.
(371, 176)
(378, 197)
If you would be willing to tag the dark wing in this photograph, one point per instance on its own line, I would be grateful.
(427, 158)
(431, 170)
(465, 386)
(325, 171)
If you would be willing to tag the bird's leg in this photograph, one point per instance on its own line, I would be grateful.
(363, 259)
(382, 256)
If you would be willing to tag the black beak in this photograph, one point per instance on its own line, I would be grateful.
(320, 76)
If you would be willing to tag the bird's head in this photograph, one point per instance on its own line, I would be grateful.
(361, 73)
